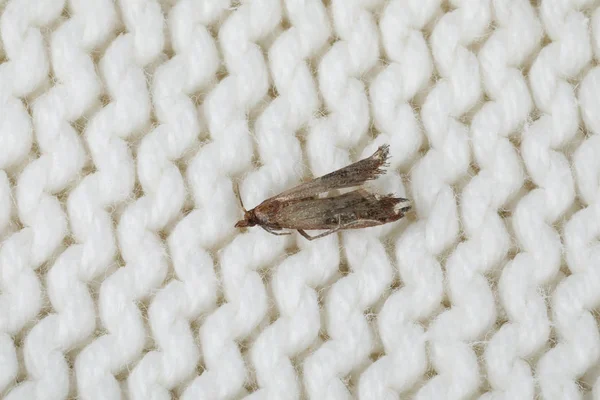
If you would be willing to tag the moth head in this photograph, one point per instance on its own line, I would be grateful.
(249, 216)
(249, 220)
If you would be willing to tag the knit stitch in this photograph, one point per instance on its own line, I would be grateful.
(126, 127)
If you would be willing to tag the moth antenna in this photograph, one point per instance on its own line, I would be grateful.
(239, 196)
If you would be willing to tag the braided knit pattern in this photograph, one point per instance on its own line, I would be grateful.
(131, 130)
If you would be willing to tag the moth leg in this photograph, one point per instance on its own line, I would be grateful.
(329, 232)
(272, 232)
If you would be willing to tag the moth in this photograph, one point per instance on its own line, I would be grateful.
(302, 208)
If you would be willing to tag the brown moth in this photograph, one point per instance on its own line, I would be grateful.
(301, 209)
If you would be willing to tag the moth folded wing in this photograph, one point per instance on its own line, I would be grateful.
(371, 209)
(356, 209)
(352, 175)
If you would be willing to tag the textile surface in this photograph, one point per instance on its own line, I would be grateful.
(126, 126)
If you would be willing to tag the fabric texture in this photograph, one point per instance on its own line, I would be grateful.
(126, 126)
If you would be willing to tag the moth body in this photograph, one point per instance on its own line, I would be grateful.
(301, 209)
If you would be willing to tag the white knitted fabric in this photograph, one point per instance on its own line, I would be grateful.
(126, 125)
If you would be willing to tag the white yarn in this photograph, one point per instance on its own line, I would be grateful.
(473, 309)
(501, 174)
(445, 163)
(193, 292)
(579, 341)
(538, 263)
(127, 114)
(61, 159)
(96, 96)
(299, 322)
(21, 39)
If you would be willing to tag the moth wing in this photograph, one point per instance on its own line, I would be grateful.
(363, 205)
(352, 175)
(356, 209)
